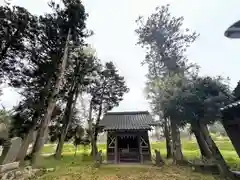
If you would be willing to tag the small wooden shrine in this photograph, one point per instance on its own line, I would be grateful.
(231, 123)
(127, 136)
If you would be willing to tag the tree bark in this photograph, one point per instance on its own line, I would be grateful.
(94, 148)
(168, 139)
(51, 105)
(93, 153)
(66, 121)
(25, 145)
(96, 131)
(74, 90)
(27, 140)
(203, 146)
(60, 144)
(177, 147)
(222, 165)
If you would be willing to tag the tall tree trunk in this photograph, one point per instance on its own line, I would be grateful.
(222, 165)
(51, 105)
(61, 139)
(25, 145)
(28, 137)
(96, 131)
(38, 108)
(176, 141)
(74, 90)
(203, 146)
(90, 121)
(168, 139)
(66, 121)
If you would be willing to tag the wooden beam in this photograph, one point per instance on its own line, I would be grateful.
(149, 148)
(142, 142)
(140, 148)
(107, 146)
(112, 141)
(116, 150)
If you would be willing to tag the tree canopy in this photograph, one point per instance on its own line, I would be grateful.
(47, 59)
(200, 100)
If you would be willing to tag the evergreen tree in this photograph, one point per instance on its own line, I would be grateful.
(106, 92)
(166, 42)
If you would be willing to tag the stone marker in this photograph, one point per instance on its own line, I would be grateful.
(10, 153)
(9, 167)
(159, 160)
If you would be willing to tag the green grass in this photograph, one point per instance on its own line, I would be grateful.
(80, 167)
(77, 168)
(190, 150)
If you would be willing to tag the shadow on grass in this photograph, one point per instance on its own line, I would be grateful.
(190, 150)
(66, 160)
(81, 167)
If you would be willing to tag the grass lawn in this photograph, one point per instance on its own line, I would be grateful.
(75, 168)
(190, 150)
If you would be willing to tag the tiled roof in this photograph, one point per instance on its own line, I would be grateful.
(235, 104)
(127, 121)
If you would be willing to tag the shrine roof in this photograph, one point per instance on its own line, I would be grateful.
(131, 120)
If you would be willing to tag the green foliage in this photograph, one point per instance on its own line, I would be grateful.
(5, 117)
(43, 52)
(21, 122)
(78, 135)
(236, 91)
(106, 91)
(108, 87)
(55, 128)
(161, 90)
(199, 100)
(174, 88)
(165, 41)
(16, 30)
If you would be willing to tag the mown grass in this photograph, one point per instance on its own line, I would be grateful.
(81, 167)
(77, 168)
(190, 150)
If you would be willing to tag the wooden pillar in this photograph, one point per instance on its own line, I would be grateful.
(149, 148)
(116, 150)
(140, 148)
(107, 147)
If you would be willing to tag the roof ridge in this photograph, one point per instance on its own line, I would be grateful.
(127, 113)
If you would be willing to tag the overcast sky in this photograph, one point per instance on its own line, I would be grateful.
(113, 23)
